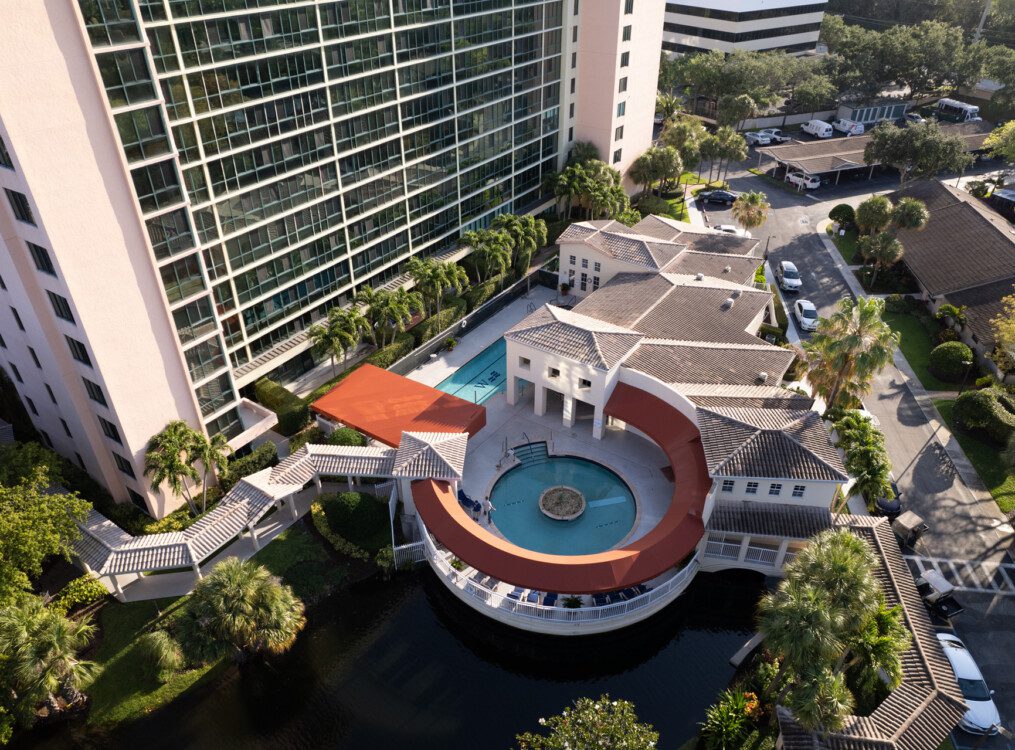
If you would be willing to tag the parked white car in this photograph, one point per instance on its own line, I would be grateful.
(982, 716)
(805, 181)
(806, 315)
(788, 277)
(849, 127)
(775, 135)
(730, 229)
(757, 139)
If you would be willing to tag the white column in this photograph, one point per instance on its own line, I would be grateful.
(743, 548)
(117, 588)
(292, 505)
(539, 401)
(405, 493)
(197, 571)
(780, 556)
(512, 388)
(253, 536)
(349, 480)
(598, 422)
(569, 411)
(317, 483)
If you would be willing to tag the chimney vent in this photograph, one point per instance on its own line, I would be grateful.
(762, 377)
(699, 276)
(728, 269)
(727, 303)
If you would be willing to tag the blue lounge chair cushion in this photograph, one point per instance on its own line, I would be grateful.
(549, 600)
(533, 597)
(517, 593)
(600, 600)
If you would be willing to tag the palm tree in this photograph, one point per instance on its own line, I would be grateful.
(732, 147)
(874, 214)
(750, 210)
(799, 628)
(821, 700)
(169, 459)
(583, 151)
(214, 451)
(668, 106)
(882, 249)
(849, 349)
(910, 213)
(242, 608)
(425, 276)
(491, 251)
(40, 656)
(394, 311)
(528, 234)
(643, 172)
(877, 647)
(454, 278)
(332, 338)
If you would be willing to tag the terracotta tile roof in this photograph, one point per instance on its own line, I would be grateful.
(769, 519)
(964, 245)
(576, 336)
(708, 363)
(924, 709)
(768, 443)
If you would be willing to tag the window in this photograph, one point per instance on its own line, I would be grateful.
(618, 134)
(628, 7)
(35, 357)
(19, 205)
(585, 282)
(5, 157)
(627, 34)
(17, 318)
(109, 430)
(81, 461)
(585, 262)
(157, 186)
(572, 260)
(46, 438)
(142, 133)
(3, 344)
(583, 383)
(625, 59)
(727, 485)
(124, 465)
(574, 34)
(524, 362)
(752, 488)
(138, 501)
(31, 404)
(40, 256)
(126, 77)
(616, 156)
(595, 283)
(622, 86)
(49, 390)
(798, 490)
(94, 392)
(775, 489)
(78, 351)
(570, 110)
(66, 429)
(597, 266)
(621, 109)
(552, 372)
(17, 373)
(570, 134)
(60, 306)
(574, 60)
(572, 85)
(575, 12)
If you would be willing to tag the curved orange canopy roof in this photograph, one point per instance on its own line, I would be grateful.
(672, 539)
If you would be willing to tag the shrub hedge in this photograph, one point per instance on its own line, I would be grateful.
(990, 411)
(262, 457)
(843, 214)
(346, 436)
(453, 310)
(652, 204)
(897, 303)
(359, 518)
(386, 356)
(80, 592)
(480, 293)
(946, 360)
(291, 410)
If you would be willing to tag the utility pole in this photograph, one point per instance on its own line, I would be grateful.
(983, 21)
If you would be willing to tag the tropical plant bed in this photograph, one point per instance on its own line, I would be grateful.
(846, 244)
(359, 518)
(916, 343)
(894, 280)
(562, 503)
(984, 455)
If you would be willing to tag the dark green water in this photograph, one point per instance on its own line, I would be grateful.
(406, 665)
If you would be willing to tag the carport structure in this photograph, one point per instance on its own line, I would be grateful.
(837, 155)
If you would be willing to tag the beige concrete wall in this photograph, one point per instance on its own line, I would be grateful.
(55, 119)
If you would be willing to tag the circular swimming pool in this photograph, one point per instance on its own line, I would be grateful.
(609, 506)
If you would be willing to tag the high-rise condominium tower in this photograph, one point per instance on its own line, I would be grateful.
(189, 184)
(729, 25)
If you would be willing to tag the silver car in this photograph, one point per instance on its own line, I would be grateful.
(982, 716)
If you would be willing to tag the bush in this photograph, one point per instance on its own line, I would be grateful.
(898, 303)
(985, 382)
(768, 330)
(726, 721)
(780, 311)
(480, 293)
(386, 356)
(652, 204)
(843, 215)
(160, 655)
(346, 436)
(262, 457)
(310, 435)
(990, 411)
(291, 410)
(358, 518)
(341, 544)
(433, 325)
(946, 335)
(978, 188)
(947, 360)
(80, 592)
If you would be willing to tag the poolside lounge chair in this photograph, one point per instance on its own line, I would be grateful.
(516, 594)
(550, 599)
(533, 597)
(600, 600)
(641, 588)
(629, 593)
(614, 597)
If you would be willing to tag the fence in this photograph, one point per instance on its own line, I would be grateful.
(574, 617)
(781, 121)
(409, 554)
(484, 312)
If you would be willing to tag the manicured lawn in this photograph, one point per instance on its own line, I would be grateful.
(846, 245)
(916, 346)
(678, 209)
(358, 518)
(985, 457)
(301, 560)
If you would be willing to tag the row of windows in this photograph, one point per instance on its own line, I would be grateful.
(284, 194)
(749, 15)
(774, 488)
(741, 36)
(687, 49)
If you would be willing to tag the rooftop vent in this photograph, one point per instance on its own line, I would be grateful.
(762, 377)
(728, 269)
(727, 303)
(699, 276)
(735, 294)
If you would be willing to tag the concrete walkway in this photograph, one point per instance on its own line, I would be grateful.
(965, 522)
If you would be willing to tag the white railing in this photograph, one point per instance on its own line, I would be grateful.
(725, 550)
(495, 599)
(762, 555)
(409, 554)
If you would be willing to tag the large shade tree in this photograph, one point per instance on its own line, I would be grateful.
(849, 348)
(916, 151)
(600, 723)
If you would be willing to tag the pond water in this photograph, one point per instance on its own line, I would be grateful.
(406, 665)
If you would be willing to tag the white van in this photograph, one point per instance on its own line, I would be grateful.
(817, 128)
(849, 127)
(956, 111)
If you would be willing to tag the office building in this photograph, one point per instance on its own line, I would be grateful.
(728, 25)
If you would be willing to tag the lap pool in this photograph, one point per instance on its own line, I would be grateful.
(482, 377)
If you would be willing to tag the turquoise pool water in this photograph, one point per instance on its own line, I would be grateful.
(609, 514)
(482, 377)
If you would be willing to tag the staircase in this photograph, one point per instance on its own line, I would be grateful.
(531, 454)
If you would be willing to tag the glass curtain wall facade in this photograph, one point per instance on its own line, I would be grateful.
(285, 153)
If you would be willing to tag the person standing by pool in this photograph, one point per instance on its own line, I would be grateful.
(487, 510)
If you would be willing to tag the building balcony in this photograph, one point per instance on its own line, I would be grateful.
(256, 420)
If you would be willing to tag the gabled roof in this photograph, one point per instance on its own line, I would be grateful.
(768, 443)
(964, 245)
(579, 337)
(710, 363)
(620, 242)
(736, 268)
(430, 455)
(769, 519)
(983, 304)
(701, 239)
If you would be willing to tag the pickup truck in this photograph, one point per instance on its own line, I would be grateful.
(775, 135)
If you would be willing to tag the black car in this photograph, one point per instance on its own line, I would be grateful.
(891, 507)
(725, 197)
